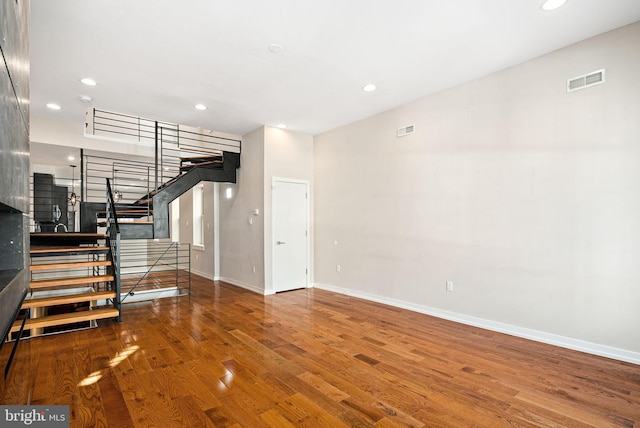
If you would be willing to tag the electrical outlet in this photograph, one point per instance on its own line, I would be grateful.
(253, 268)
(338, 268)
(449, 285)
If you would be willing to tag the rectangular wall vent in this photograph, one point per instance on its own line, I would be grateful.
(585, 81)
(410, 129)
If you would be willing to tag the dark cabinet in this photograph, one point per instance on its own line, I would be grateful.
(50, 203)
(43, 198)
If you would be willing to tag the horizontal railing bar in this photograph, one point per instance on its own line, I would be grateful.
(135, 125)
(113, 159)
(180, 130)
(122, 133)
(121, 124)
(134, 117)
(209, 142)
(131, 266)
(137, 256)
(133, 260)
(130, 279)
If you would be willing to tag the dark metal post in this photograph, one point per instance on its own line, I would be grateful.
(156, 160)
(148, 192)
(177, 265)
(117, 277)
(82, 182)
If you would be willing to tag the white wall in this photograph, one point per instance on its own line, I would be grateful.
(289, 155)
(203, 258)
(241, 243)
(266, 153)
(525, 196)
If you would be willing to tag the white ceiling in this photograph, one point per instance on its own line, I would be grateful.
(158, 58)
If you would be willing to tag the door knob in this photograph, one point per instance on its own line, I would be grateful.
(279, 242)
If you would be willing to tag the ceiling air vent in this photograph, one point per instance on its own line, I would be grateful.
(585, 81)
(410, 129)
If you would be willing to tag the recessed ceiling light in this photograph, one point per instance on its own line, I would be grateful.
(53, 106)
(552, 4)
(71, 158)
(369, 88)
(201, 107)
(275, 48)
(88, 82)
(282, 125)
(86, 99)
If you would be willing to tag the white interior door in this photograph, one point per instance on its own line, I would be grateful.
(290, 234)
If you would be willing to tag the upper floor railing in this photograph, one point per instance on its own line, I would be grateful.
(122, 127)
(168, 145)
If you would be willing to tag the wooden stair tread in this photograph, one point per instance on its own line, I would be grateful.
(69, 265)
(189, 166)
(128, 211)
(61, 319)
(56, 282)
(121, 223)
(69, 235)
(70, 298)
(42, 249)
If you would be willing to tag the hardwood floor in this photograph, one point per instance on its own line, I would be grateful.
(226, 357)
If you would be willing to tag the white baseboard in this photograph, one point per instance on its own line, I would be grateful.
(526, 333)
(204, 275)
(245, 286)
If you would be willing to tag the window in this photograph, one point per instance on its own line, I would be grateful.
(198, 215)
(175, 220)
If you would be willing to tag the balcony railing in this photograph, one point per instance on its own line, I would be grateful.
(151, 269)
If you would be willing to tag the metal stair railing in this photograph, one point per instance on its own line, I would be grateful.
(113, 238)
(151, 268)
(176, 154)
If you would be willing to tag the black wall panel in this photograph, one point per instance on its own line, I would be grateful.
(14, 164)
(14, 104)
(14, 40)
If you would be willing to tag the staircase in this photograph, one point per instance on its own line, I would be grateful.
(72, 285)
(183, 156)
(147, 217)
(75, 277)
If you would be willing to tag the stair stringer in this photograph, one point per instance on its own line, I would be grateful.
(184, 183)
